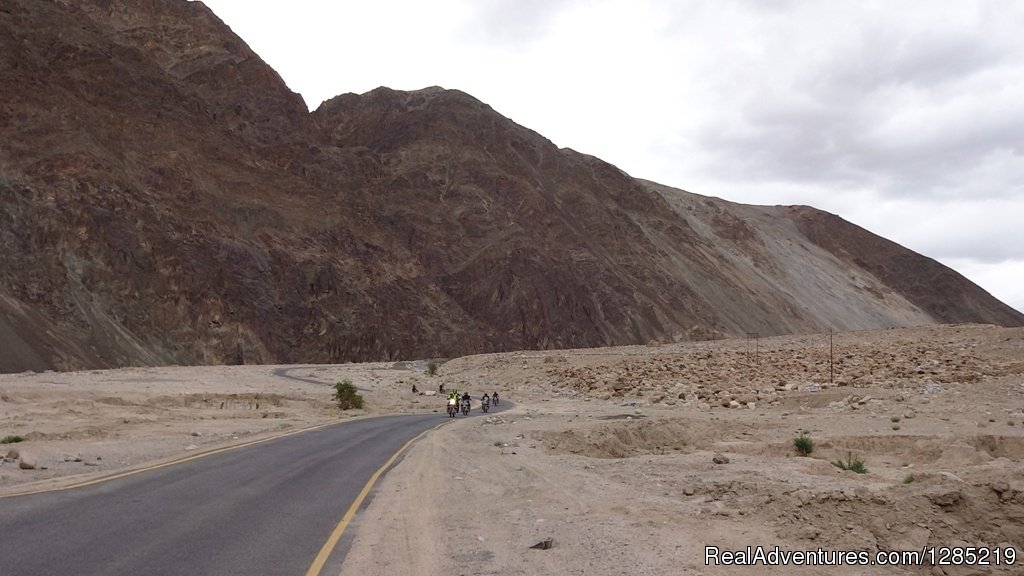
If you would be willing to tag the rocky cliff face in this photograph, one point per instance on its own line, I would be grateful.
(164, 198)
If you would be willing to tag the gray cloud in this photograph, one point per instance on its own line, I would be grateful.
(907, 110)
(511, 22)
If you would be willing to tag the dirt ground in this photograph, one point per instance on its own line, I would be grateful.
(611, 453)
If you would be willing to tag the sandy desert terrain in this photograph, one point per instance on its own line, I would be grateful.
(632, 460)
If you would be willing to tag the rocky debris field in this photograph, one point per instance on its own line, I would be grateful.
(632, 461)
(744, 373)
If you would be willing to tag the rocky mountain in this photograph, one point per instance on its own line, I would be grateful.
(165, 198)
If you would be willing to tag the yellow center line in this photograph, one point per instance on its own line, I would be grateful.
(332, 540)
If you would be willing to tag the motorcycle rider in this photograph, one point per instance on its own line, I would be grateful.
(494, 398)
(466, 397)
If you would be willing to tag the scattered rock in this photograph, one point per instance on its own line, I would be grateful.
(544, 544)
(946, 499)
(909, 414)
(720, 459)
(27, 462)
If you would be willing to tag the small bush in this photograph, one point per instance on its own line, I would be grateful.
(852, 464)
(432, 368)
(895, 426)
(499, 443)
(803, 444)
(895, 419)
(11, 439)
(347, 395)
(908, 478)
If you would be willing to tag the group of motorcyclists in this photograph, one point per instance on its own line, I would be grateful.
(458, 402)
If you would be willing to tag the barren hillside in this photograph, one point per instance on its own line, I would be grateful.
(165, 198)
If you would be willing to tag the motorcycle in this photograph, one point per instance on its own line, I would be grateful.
(453, 409)
(465, 407)
(485, 405)
(495, 400)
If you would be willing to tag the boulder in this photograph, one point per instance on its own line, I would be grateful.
(27, 462)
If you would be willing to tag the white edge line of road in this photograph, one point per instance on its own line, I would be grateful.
(180, 460)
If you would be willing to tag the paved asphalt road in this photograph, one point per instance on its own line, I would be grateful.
(263, 509)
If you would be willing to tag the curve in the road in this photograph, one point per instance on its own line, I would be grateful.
(258, 509)
(285, 373)
(267, 507)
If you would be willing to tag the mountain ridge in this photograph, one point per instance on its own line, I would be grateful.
(165, 198)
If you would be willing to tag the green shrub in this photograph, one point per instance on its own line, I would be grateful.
(432, 368)
(347, 395)
(908, 478)
(803, 444)
(853, 464)
(11, 439)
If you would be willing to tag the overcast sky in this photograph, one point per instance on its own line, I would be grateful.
(906, 118)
